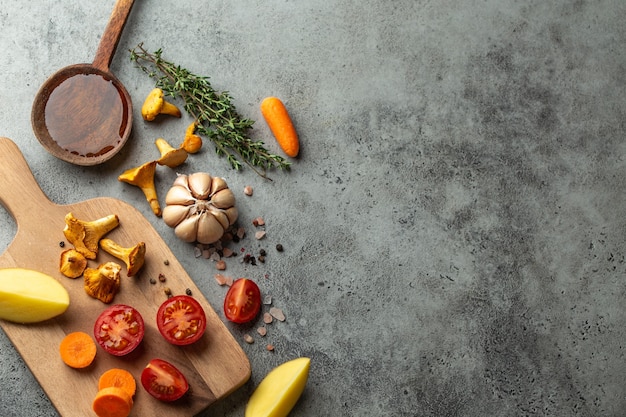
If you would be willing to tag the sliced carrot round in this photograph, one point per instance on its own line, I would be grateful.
(77, 349)
(112, 402)
(120, 378)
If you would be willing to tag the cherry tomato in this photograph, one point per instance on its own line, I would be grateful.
(119, 329)
(181, 320)
(163, 380)
(243, 301)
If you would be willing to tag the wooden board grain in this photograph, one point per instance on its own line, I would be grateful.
(215, 366)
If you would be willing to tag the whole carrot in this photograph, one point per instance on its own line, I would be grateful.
(277, 118)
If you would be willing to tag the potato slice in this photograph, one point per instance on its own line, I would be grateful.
(280, 389)
(29, 296)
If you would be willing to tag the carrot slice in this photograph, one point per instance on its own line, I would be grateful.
(77, 349)
(112, 402)
(277, 118)
(120, 378)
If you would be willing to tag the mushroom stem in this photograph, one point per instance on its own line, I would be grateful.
(133, 257)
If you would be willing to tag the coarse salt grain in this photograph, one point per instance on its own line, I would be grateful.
(262, 331)
(267, 318)
(220, 265)
(248, 339)
(277, 313)
(259, 235)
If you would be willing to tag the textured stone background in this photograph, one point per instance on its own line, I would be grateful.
(454, 227)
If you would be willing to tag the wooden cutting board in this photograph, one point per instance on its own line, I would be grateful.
(215, 366)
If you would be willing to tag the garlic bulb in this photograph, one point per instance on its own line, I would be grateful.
(199, 207)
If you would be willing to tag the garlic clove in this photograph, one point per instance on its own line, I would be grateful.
(200, 185)
(218, 184)
(209, 229)
(181, 179)
(223, 199)
(172, 215)
(179, 195)
(220, 216)
(187, 229)
(232, 213)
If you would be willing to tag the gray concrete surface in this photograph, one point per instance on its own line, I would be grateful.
(454, 228)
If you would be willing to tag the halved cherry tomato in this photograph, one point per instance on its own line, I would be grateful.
(163, 380)
(243, 301)
(181, 320)
(119, 329)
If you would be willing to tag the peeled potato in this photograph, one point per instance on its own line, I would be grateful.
(29, 296)
(280, 389)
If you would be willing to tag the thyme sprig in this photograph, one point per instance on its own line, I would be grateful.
(216, 115)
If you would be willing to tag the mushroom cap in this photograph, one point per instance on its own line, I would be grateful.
(170, 156)
(72, 263)
(153, 104)
(140, 176)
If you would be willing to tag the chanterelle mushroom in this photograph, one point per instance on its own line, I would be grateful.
(133, 257)
(85, 235)
(103, 282)
(72, 263)
(170, 156)
(155, 104)
(192, 142)
(143, 177)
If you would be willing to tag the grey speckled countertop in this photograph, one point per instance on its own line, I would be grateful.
(454, 228)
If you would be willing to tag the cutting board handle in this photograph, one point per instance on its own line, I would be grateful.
(19, 192)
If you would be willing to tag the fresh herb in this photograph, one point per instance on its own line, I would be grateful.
(214, 112)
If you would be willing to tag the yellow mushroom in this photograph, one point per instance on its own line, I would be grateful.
(143, 177)
(170, 156)
(155, 104)
(85, 235)
(72, 263)
(103, 282)
(192, 142)
(133, 257)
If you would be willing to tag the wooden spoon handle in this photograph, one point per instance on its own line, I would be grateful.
(112, 34)
(19, 194)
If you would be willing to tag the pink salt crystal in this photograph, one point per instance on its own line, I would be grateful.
(262, 331)
(221, 279)
(267, 318)
(277, 313)
(260, 234)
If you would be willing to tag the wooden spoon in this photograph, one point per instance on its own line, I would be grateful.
(82, 114)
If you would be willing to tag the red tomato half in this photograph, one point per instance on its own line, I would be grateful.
(181, 320)
(163, 381)
(119, 329)
(243, 301)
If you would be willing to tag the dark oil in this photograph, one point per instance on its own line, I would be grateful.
(86, 114)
